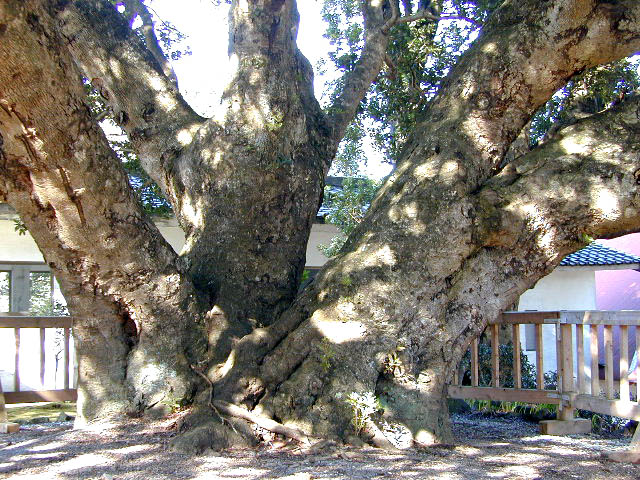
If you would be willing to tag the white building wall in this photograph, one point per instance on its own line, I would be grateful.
(22, 248)
(20, 255)
(15, 247)
(321, 234)
(566, 288)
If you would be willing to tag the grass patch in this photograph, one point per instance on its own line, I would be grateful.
(27, 411)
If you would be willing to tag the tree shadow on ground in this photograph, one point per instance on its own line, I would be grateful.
(487, 447)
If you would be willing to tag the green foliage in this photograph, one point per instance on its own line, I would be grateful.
(419, 56)
(351, 155)
(19, 226)
(346, 281)
(539, 411)
(586, 239)
(601, 423)
(170, 39)
(41, 298)
(590, 92)
(333, 247)
(172, 43)
(528, 371)
(327, 354)
(5, 291)
(147, 191)
(347, 206)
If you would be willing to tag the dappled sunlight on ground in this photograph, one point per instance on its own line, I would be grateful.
(504, 448)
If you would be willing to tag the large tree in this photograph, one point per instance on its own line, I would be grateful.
(455, 235)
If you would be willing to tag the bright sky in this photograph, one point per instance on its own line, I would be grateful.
(203, 75)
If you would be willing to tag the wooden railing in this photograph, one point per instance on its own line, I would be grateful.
(18, 322)
(573, 390)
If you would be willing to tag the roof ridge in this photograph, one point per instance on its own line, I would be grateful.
(598, 254)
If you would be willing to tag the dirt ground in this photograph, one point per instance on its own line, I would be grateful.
(486, 448)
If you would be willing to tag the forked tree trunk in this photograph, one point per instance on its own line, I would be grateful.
(451, 240)
(245, 188)
(448, 244)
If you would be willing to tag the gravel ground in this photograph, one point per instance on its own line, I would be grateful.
(486, 448)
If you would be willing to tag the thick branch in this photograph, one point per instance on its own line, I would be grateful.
(525, 54)
(146, 102)
(425, 15)
(59, 173)
(423, 272)
(267, 168)
(584, 181)
(357, 82)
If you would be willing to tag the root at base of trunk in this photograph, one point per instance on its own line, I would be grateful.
(226, 433)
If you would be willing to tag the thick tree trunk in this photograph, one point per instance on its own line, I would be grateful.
(436, 257)
(449, 243)
(139, 321)
(265, 154)
(394, 317)
(245, 188)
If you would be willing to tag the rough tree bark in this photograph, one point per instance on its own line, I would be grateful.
(244, 185)
(452, 239)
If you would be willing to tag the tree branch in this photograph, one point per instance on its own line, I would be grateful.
(70, 189)
(513, 68)
(151, 41)
(134, 81)
(425, 15)
(133, 305)
(583, 181)
(367, 68)
(264, 422)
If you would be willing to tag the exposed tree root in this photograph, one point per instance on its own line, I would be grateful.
(264, 422)
(377, 438)
(210, 398)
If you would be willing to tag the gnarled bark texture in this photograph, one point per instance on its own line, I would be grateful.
(453, 238)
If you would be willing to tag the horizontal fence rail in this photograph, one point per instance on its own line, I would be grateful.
(573, 331)
(19, 321)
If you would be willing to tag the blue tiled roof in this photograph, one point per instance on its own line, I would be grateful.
(597, 254)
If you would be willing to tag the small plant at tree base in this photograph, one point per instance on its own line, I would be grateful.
(363, 406)
(327, 356)
(393, 365)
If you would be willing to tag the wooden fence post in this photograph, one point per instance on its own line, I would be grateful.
(539, 358)
(624, 362)
(595, 360)
(5, 425)
(517, 368)
(474, 363)
(495, 355)
(566, 423)
(580, 352)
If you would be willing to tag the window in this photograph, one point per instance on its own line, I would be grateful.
(5, 291)
(30, 288)
(45, 297)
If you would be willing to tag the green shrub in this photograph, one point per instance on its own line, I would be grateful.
(527, 370)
